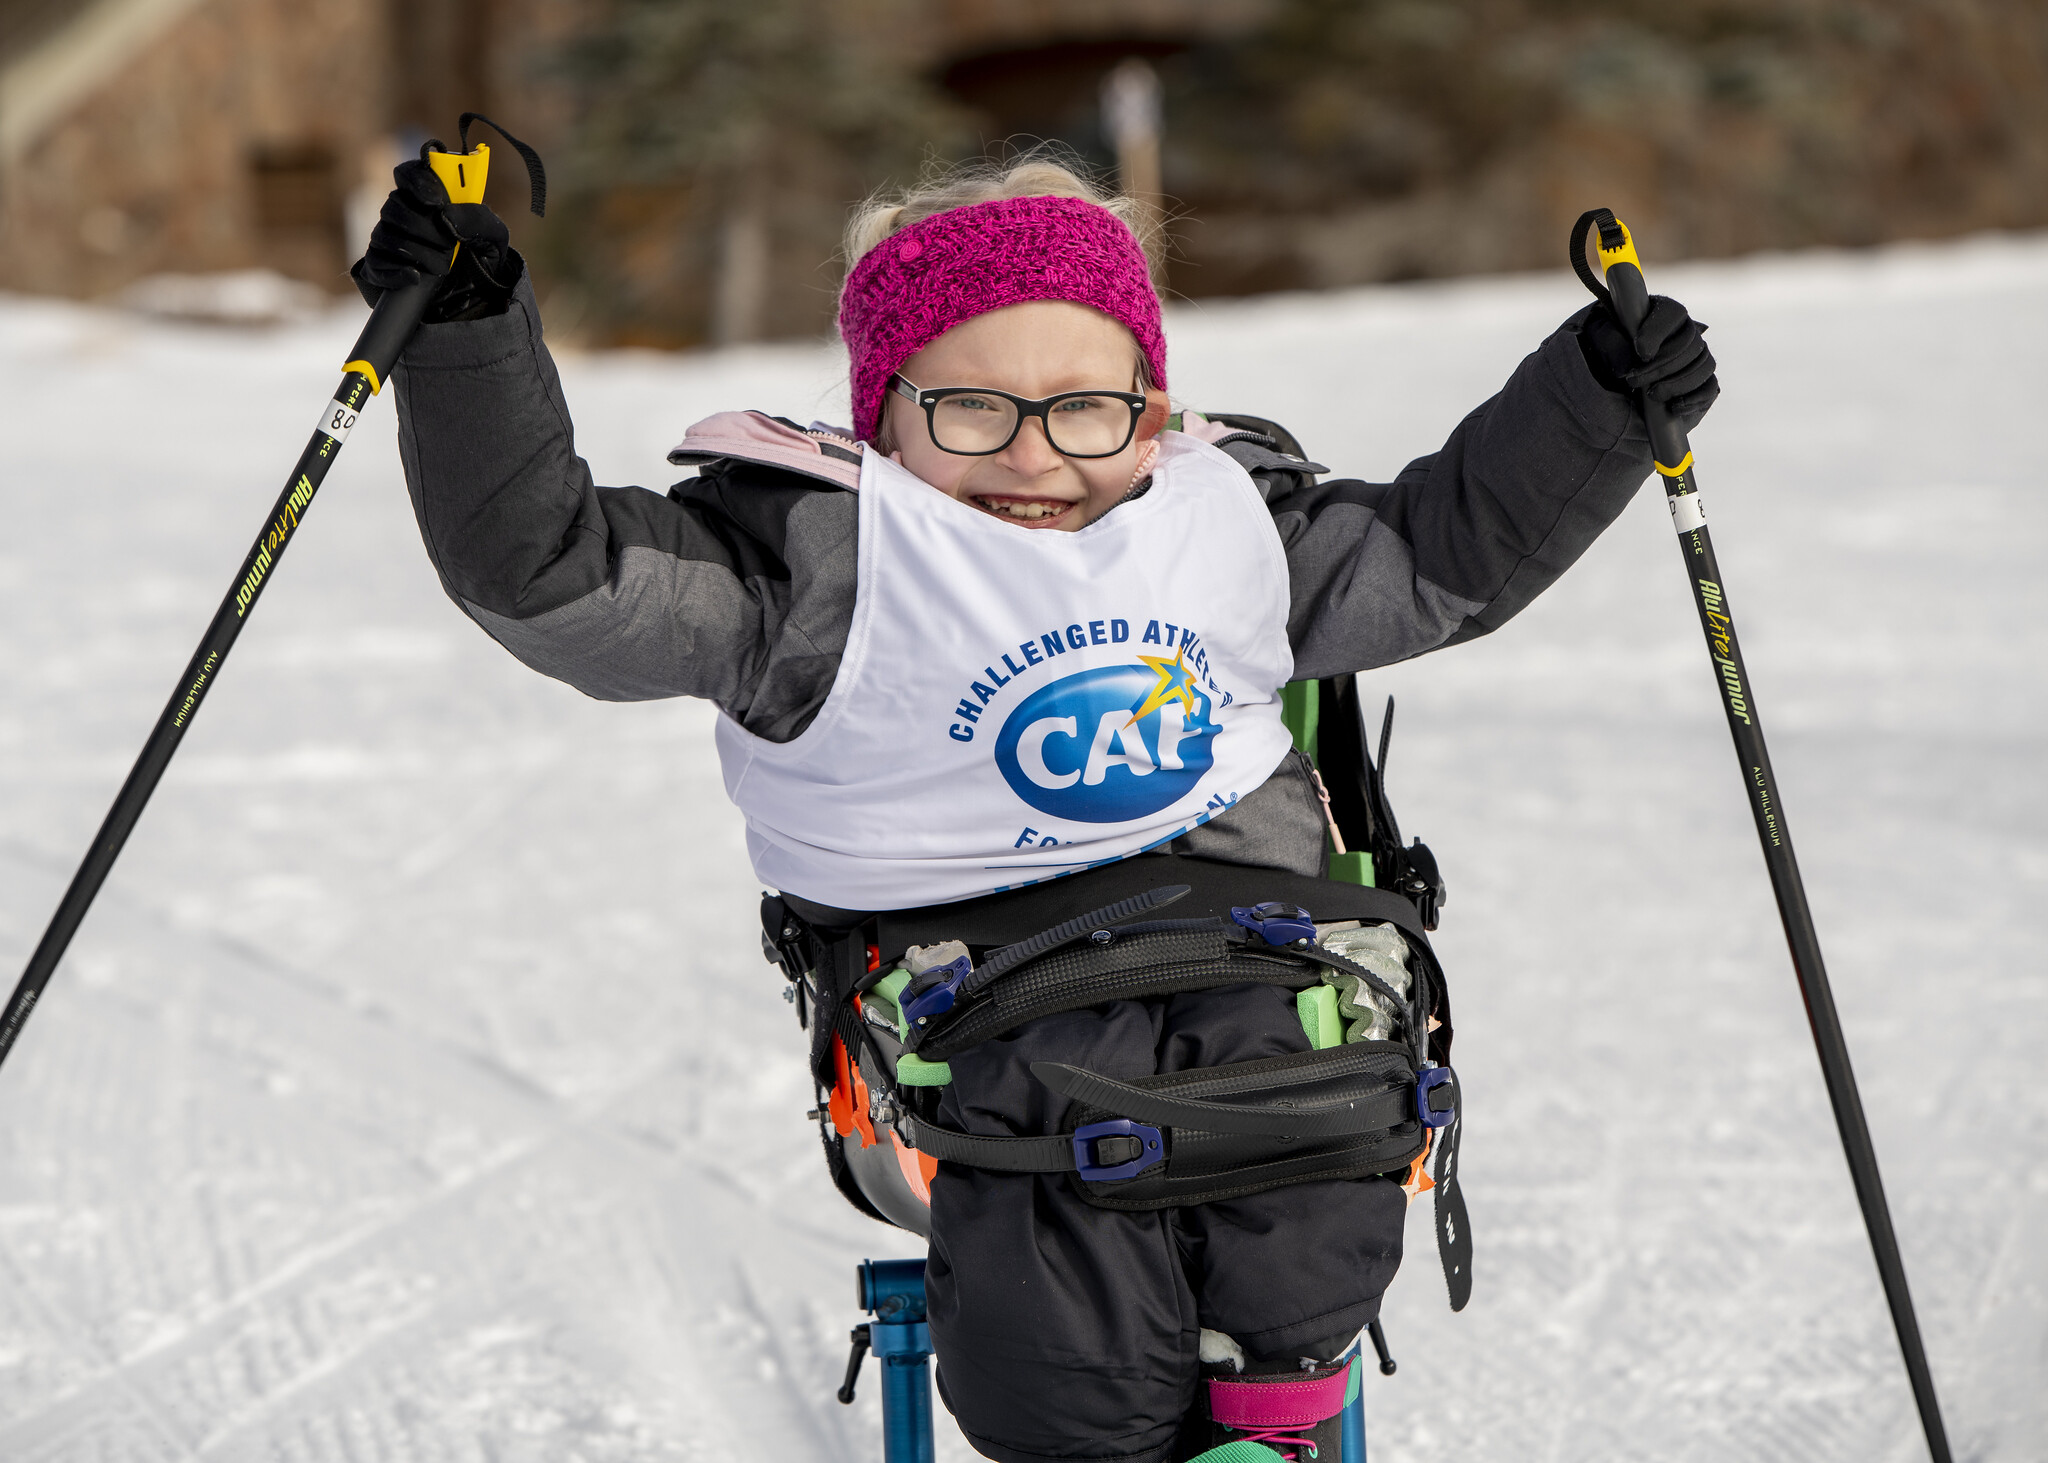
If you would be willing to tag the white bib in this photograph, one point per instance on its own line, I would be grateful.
(1018, 704)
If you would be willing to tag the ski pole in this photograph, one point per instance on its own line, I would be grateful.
(1629, 295)
(391, 326)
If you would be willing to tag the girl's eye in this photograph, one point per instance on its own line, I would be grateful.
(1084, 403)
(971, 403)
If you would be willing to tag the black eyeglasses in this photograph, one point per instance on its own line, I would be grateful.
(970, 421)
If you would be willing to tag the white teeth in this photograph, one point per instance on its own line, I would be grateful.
(1030, 512)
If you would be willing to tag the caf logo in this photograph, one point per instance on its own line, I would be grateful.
(1110, 744)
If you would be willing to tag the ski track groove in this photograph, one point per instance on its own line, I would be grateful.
(202, 1327)
(569, 1123)
(831, 1440)
(387, 1026)
(154, 1416)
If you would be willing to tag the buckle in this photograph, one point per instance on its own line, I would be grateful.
(1423, 883)
(783, 940)
(933, 993)
(1435, 1112)
(1277, 923)
(1125, 1149)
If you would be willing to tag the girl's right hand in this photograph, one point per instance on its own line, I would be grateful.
(416, 236)
(1667, 359)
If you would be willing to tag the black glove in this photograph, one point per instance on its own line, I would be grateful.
(418, 231)
(1667, 360)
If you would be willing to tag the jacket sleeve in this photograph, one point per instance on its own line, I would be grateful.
(1465, 538)
(737, 591)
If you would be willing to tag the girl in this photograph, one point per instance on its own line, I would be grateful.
(1010, 632)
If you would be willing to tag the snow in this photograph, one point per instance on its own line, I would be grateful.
(416, 1089)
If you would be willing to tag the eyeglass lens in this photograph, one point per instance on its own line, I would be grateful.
(1080, 426)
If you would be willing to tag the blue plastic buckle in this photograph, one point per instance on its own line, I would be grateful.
(1277, 923)
(1151, 1149)
(1427, 1081)
(936, 998)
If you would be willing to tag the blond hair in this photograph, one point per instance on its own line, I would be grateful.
(1044, 172)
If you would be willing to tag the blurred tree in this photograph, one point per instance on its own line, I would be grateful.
(714, 152)
(1345, 140)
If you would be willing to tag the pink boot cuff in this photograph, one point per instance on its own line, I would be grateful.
(1263, 1405)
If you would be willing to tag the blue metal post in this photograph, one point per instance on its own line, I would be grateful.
(1354, 1405)
(892, 1291)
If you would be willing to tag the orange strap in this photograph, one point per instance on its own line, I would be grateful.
(849, 1101)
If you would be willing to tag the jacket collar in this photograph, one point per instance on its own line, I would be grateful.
(829, 454)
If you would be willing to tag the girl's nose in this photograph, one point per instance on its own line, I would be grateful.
(1031, 453)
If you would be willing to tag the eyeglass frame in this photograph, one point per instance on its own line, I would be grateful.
(1027, 408)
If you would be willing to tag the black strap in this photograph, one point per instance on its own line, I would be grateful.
(1011, 956)
(1610, 238)
(1453, 1225)
(536, 175)
(1054, 1154)
(1110, 921)
(1017, 915)
(843, 963)
(1374, 1113)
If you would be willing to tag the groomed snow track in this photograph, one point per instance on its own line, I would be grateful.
(416, 1090)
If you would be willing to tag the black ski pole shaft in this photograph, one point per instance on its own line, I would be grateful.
(390, 327)
(1629, 294)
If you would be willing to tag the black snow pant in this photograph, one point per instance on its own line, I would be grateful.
(1068, 1331)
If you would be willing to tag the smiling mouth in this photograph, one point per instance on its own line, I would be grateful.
(1033, 511)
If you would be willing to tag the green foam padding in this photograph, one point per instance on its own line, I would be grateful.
(891, 985)
(886, 990)
(1300, 711)
(915, 1071)
(1317, 1008)
(1352, 868)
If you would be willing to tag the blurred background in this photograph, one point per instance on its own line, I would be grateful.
(225, 158)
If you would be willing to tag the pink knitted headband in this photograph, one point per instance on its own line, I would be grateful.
(920, 282)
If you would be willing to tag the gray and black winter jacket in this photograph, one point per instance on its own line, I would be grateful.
(738, 584)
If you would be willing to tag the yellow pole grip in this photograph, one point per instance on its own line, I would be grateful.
(462, 173)
(1625, 253)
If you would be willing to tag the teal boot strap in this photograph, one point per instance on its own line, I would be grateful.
(1237, 1451)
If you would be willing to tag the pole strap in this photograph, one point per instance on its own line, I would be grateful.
(1605, 218)
(536, 175)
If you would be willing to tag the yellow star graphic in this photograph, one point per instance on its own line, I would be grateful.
(1176, 683)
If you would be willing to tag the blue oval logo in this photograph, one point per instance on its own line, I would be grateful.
(1111, 744)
